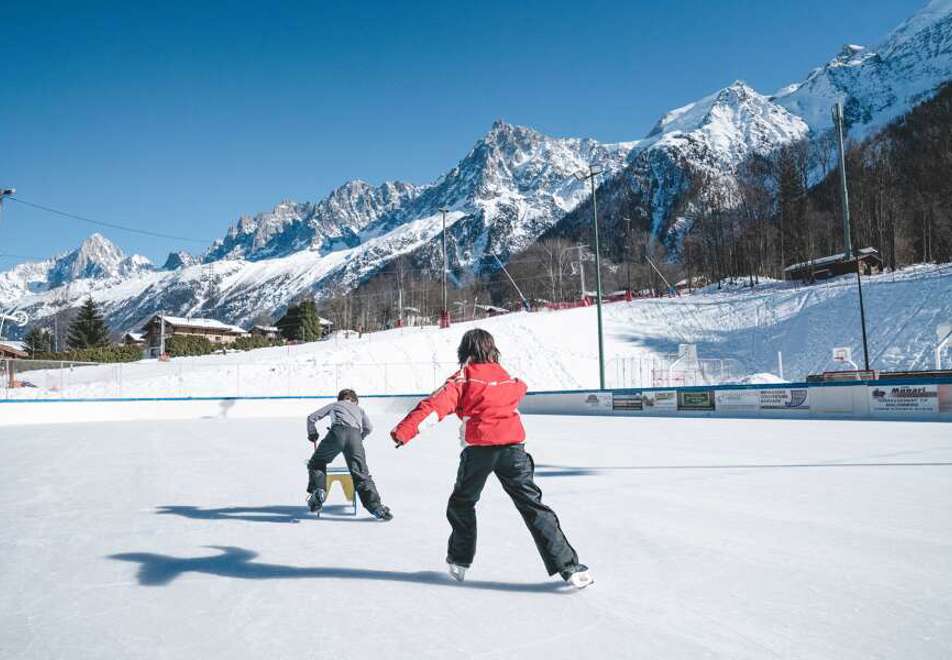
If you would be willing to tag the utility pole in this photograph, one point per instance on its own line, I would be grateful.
(582, 175)
(444, 313)
(628, 251)
(847, 238)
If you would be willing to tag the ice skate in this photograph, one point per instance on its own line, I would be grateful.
(315, 501)
(578, 576)
(457, 572)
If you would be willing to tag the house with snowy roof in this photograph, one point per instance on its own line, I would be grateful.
(822, 268)
(162, 327)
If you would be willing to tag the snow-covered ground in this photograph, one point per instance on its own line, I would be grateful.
(558, 350)
(708, 538)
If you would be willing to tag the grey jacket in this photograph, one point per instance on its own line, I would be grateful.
(347, 413)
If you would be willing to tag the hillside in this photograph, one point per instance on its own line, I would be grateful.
(557, 350)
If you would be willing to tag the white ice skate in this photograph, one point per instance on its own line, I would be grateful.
(457, 572)
(578, 576)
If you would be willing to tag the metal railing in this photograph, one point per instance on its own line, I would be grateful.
(309, 376)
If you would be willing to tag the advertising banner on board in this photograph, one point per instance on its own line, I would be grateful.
(627, 402)
(660, 400)
(904, 399)
(599, 400)
(693, 400)
(785, 399)
(737, 400)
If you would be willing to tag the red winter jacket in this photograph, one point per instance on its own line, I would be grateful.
(484, 396)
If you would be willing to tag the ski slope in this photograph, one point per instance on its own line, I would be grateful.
(558, 350)
(708, 538)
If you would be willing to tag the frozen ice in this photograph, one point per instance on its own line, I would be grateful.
(707, 538)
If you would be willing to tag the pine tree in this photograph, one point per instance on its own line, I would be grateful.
(38, 340)
(88, 330)
(310, 321)
(290, 323)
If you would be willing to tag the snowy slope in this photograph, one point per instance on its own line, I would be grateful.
(557, 350)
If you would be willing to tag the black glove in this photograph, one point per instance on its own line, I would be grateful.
(313, 437)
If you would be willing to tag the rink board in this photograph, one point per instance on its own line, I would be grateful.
(928, 400)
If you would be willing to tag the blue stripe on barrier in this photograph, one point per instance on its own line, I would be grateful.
(628, 390)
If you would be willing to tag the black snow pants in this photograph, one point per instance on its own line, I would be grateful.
(514, 468)
(348, 440)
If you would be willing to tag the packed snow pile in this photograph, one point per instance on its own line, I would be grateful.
(738, 334)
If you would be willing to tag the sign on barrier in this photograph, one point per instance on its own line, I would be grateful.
(660, 400)
(737, 400)
(904, 399)
(703, 400)
(599, 400)
(785, 399)
(628, 402)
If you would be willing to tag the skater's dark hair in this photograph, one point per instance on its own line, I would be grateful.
(347, 395)
(477, 346)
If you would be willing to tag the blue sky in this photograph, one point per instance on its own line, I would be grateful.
(179, 117)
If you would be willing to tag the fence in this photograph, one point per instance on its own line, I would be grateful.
(190, 377)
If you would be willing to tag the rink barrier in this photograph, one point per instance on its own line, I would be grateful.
(927, 399)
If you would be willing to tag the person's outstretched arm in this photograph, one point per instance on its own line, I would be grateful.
(430, 411)
(312, 433)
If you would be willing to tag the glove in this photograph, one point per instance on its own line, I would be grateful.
(397, 442)
(313, 437)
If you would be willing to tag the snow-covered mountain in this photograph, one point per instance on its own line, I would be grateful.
(514, 185)
(712, 136)
(96, 259)
(881, 83)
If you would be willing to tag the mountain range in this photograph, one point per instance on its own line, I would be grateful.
(513, 186)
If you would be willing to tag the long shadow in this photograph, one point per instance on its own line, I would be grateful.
(265, 514)
(558, 471)
(747, 466)
(158, 570)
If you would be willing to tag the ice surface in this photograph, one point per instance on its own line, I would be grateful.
(707, 538)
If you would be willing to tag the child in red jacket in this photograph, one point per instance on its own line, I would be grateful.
(485, 397)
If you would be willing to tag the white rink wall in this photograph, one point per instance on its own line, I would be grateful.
(897, 400)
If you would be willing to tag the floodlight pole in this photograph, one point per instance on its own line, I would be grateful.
(847, 238)
(582, 176)
(444, 314)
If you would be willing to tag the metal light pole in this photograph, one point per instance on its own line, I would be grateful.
(847, 238)
(628, 251)
(582, 175)
(444, 314)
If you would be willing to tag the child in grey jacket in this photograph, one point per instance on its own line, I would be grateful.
(349, 426)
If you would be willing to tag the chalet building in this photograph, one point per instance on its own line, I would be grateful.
(215, 331)
(266, 331)
(13, 349)
(134, 339)
(822, 268)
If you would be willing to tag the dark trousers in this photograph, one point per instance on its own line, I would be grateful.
(344, 439)
(514, 468)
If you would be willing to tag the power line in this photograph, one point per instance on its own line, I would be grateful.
(111, 225)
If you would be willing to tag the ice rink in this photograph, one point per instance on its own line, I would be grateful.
(707, 538)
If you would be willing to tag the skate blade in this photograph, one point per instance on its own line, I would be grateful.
(458, 573)
(581, 580)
